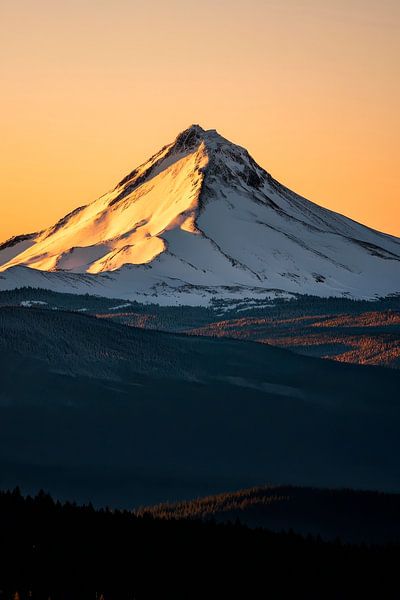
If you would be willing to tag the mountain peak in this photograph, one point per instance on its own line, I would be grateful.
(195, 127)
(198, 130)
(225, 160)
(194, 135)
(202, 217)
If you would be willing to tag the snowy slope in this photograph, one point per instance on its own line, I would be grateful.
(201, 219)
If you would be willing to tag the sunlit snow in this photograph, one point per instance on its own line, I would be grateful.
(202, 220)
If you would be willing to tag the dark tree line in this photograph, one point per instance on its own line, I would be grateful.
(62, 551)
(179, 318)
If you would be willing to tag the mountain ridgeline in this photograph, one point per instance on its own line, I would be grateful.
(201, 220)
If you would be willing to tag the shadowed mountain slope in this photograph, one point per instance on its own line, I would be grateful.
(95, 410)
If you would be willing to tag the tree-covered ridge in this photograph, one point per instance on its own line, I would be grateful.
(361, 332)
(64, 552)
(139, 416)
(353, 515)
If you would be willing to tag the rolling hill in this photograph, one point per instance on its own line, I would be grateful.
(95, 410)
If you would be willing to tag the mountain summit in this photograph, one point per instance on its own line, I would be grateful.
(202, 219)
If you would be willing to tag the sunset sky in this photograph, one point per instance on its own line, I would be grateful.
(92, 88)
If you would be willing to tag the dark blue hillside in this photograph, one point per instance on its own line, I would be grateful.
(90, 409)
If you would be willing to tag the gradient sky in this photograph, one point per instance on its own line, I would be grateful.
(90, 89)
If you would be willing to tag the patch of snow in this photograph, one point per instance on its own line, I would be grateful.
(30, 303)
(127, 305)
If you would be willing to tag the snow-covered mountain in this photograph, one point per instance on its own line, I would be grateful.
(200, 219)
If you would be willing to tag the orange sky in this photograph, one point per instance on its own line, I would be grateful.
(91, 88)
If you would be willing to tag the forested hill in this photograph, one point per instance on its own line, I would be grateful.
(95, 410)
(67, 552)
(361, 332)
(352, 515)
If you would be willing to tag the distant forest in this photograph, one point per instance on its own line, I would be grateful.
(354, 516)
(302, 304)
(342, 329)
(70, 552)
